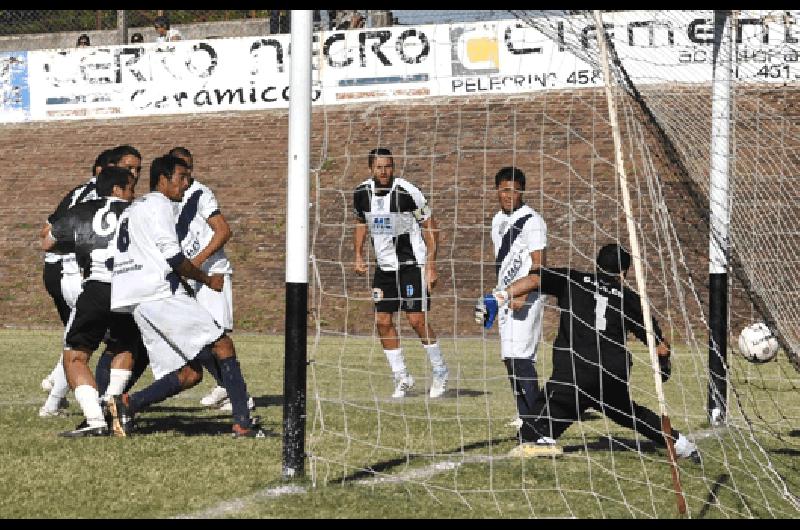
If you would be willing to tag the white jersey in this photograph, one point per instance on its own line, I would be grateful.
(393, 220)
(194, 232)
(146, 246)
(515, 236)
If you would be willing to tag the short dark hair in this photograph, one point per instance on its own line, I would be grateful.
(161, 21)
(375, 153)
(613, 259)
(123, 150)
(163, 165)
(180, 152)
(102, 160)
(84, 38)
(137, 37)
(112, 176)
(510, 173)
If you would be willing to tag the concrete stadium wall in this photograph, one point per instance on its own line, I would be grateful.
(200, 30)
(447, 146)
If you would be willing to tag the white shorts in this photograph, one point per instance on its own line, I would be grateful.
(220, 305)
(174, 331)
(71, 287)
(521, 330)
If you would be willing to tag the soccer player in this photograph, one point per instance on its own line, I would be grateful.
(62, 280)
(177, 331)
(591, 362)
(203, 232)
(519, 235)
(403, 232)
(87, 229)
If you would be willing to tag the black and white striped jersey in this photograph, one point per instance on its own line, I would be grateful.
(515, 236)
(393, 218)
(87, 229)
(85, 192)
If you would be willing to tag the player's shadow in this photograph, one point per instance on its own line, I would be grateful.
(607, 443)
(449, 393)
(380, 467)
(260, 402)
(189, 426)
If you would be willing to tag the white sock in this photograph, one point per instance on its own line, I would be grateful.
(396, 361)
(118, 380)
(89, 400)
(435, 355)
(60, 388)
(58, 368)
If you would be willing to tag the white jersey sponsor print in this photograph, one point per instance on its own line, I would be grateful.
(393, 219)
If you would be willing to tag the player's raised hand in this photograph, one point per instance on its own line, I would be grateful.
(216, 281)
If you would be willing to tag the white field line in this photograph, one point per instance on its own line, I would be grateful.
(235, 506)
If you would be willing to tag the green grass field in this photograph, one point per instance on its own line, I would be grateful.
(374, 457)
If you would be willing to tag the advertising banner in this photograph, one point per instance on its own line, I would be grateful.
(384, 64)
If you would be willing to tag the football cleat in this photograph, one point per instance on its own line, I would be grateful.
(63, 405)
(44, 412)
(252, 432)
(516, 423)
(438, 386)
(686, 449)
(531, 449)
(84, 430)
(402, 384)
(227, 406)
(121, 418)
(215, 398)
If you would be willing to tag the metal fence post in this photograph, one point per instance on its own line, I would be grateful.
(122, 26)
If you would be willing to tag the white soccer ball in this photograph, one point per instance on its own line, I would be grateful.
(757, 344)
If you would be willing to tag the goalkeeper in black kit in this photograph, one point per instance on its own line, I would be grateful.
(591, 363)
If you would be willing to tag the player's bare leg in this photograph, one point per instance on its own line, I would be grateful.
(394, 353)
(81, 380)
(419, 322)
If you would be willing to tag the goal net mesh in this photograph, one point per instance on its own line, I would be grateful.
(556, 128)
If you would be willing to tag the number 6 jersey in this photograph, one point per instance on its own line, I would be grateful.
(145, 250)
(88, 230)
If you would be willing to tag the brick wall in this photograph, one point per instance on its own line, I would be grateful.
(450, 148)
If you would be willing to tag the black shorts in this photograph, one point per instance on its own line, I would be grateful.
(389, 288)
(93, 317)
(52, 283)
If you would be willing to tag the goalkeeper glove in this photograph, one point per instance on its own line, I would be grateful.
(487, 307)
(665, 365)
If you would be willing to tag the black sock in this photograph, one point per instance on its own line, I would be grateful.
(157, 391)
(237, 390)
(102, 373)
(210, 363)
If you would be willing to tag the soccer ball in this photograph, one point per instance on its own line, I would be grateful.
(757, 344)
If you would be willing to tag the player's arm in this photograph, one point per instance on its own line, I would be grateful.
(520, 295)
(222, 233)
(166, 240)
(359, 236)
(430, 234)
(186, 269)
(58, 237)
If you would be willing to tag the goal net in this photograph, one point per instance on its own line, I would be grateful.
(528, 91)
